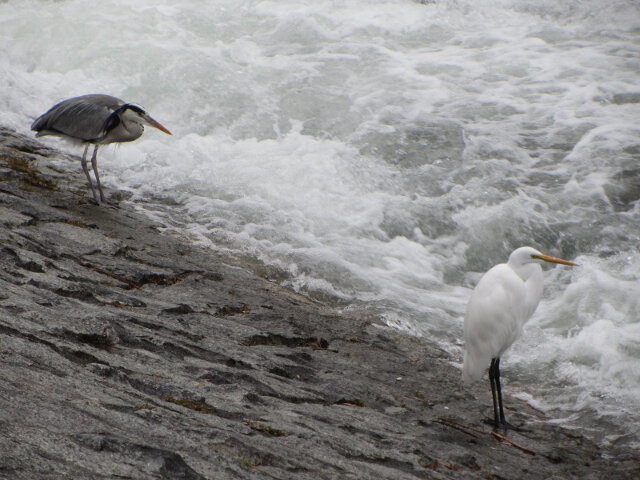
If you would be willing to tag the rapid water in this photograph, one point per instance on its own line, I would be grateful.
(381, 155)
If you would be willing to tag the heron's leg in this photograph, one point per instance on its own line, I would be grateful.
(492, 379)
(94, 164)
(86, 172)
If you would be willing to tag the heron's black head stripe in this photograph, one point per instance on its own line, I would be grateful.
(135, 108)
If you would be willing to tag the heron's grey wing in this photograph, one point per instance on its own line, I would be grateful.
(100, 99)
(83, 118)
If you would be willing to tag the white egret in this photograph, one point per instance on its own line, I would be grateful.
(502, 302)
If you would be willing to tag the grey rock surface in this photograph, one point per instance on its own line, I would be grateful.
(129, 354)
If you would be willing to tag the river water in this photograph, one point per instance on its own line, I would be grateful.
(379, 156)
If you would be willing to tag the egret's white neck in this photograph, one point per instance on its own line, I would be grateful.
(526, 271)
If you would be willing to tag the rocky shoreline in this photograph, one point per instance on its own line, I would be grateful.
(125, 353)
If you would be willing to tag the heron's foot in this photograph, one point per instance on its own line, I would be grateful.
(104, 203)
(107, 203)
(506, 426)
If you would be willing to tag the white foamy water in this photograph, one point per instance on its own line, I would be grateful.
(381, 155)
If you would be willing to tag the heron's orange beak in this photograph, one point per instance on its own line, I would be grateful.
(155, 124)
(550, 259)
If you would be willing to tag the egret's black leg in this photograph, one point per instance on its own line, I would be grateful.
(492, 380)
(499, 420)
(86, 172)
(496, 377)
(496, 392)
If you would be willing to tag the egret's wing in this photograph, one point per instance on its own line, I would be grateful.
(492, 321)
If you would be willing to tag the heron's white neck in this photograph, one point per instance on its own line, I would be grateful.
(129, 129)
(134, 126)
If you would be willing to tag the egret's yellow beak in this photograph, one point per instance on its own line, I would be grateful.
(550, 259)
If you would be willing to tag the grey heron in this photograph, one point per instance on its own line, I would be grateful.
(95, 119)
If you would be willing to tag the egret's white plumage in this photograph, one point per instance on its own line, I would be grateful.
(502, 302)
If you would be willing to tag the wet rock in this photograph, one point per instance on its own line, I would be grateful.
(128, 354)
